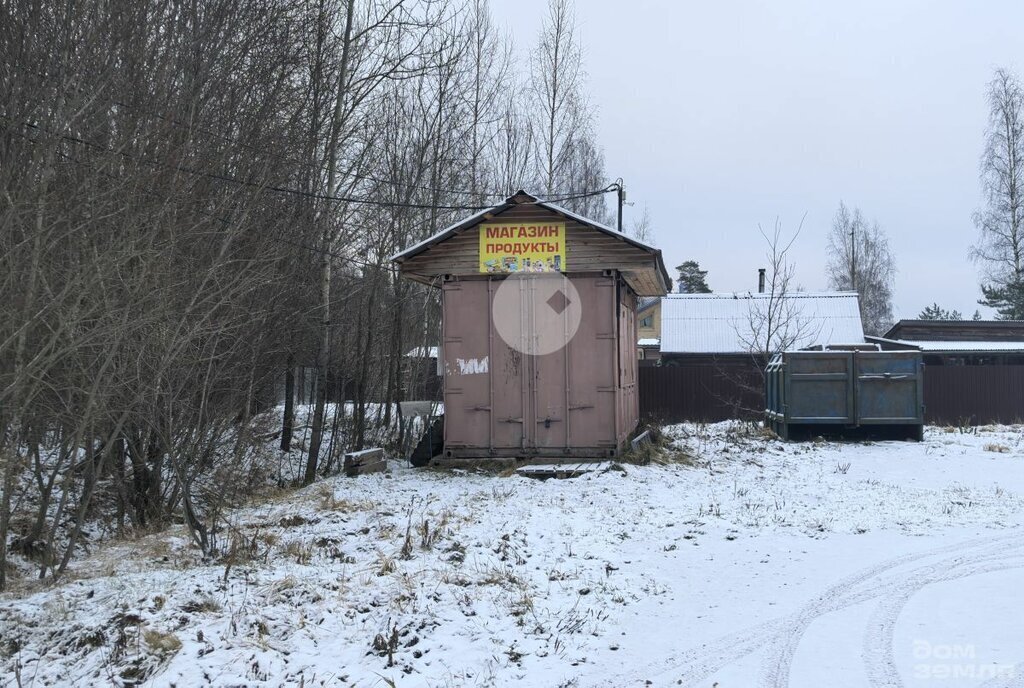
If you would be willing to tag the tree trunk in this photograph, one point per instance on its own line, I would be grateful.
(288, 421)
(323, 356)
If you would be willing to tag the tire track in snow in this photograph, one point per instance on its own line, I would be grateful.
(783, 635)
(879, 652)
(1014, 680)
(844, 594)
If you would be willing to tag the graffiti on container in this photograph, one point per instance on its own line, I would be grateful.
(471, 366)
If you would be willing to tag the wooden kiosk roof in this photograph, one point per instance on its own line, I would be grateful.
(590, 247)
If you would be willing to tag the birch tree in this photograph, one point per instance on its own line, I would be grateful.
(860, 260)
(1000, 222)
(556, 81)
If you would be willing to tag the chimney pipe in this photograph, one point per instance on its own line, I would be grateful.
(760, 280)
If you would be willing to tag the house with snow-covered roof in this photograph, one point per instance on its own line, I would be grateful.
(697, 329)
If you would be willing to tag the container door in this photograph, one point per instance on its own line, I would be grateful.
(592, 367)
(509, 372)
(820, 387)
(889, 388)
(548, 309)
(466, 335)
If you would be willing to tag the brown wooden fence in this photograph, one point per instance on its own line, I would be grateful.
(953, 395)
(973, 395)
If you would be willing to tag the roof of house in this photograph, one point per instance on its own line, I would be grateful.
(738, 322)
(943, 346)
(519, 198)
(645, 302)
(957, 330)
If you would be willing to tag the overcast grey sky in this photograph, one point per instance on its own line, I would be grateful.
(723, 115)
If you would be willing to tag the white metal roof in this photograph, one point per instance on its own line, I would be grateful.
(648, 341)
(738, 322)
(961, 346)
(645, 301)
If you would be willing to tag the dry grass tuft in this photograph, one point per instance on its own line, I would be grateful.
(331, 502)
(301, 552)
(997, 448)
(385, 564)
(201, 605)
(159, 641)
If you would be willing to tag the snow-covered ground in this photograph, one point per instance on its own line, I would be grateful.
(742, 561)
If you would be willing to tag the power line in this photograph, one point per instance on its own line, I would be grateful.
(286, 190)
(192, 127)
(225, 222)
(251, 183)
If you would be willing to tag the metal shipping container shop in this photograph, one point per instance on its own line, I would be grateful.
(538, 334)
(851, 389)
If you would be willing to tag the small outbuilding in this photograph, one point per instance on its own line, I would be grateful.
(727, 328)
(539, 330)
(958, 342)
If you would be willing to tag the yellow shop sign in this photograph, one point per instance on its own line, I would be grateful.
(522, 247)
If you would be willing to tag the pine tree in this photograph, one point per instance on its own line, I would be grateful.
(1008, 300)
(937, 312)
(692, 280)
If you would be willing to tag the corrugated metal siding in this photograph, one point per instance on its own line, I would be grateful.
(704, 393)
(973, 395)
(953, 395)
(728, 323)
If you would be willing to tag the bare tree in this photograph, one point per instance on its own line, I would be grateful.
(490, 62)
(642, 228)
(770, 322)
(776, 321)
(860, 260)
(197, 198)
(515, 147)
(1000, 223)
(557, 74)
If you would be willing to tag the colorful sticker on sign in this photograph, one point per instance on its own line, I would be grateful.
(519, 247)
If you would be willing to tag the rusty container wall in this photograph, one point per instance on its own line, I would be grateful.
(580, 401)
